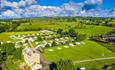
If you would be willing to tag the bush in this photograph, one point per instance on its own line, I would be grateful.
(81, 37)
(47, 46)
(65, 65)
(72, 32)
(59, 31)
(54, 43)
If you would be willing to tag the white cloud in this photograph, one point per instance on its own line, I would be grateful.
(9, 14)
(68, 9)
(12, 4)
(93, 1)
(42, 10)
(30, 2)
(21, 3)
(82, 12)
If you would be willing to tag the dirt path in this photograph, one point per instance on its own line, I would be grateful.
(96, 59)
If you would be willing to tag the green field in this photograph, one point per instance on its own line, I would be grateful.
(98, 65)
(79, 52)
(6, 35)
(89, 50)
(94, 30)
(89, 30)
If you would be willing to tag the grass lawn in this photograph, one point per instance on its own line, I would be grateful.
(5, 36)
(85, 29)
(88, 51)
(81, 52)
(89, 30)
(95, 64)
(94, 30)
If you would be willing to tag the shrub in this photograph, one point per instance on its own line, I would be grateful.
(65, 65)
(59, 31)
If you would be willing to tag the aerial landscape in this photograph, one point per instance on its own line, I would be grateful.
(57, 34)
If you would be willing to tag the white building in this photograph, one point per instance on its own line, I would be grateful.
(32, 58)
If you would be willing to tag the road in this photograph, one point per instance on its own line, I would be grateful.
(96, 59)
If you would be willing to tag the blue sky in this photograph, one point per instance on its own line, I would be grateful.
(107, 4)
(40, 8)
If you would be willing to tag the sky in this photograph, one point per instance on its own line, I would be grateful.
(39, 8)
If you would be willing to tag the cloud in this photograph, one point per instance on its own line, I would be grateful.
(25, 8)
(9, 14)
(90, 2)
(38, 11)
(30, 2)
(21, 3)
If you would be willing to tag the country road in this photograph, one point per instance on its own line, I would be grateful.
(96, 59)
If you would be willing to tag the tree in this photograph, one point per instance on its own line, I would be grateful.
(47, 45)
(54, 43)
(8, 48)
(39, 38)
(0, 44)
(72, 32)
(18, 53)
(113, 67)
(59, 31)
(10, 57)
(65, 65)
(9, 63)
(81, 37)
